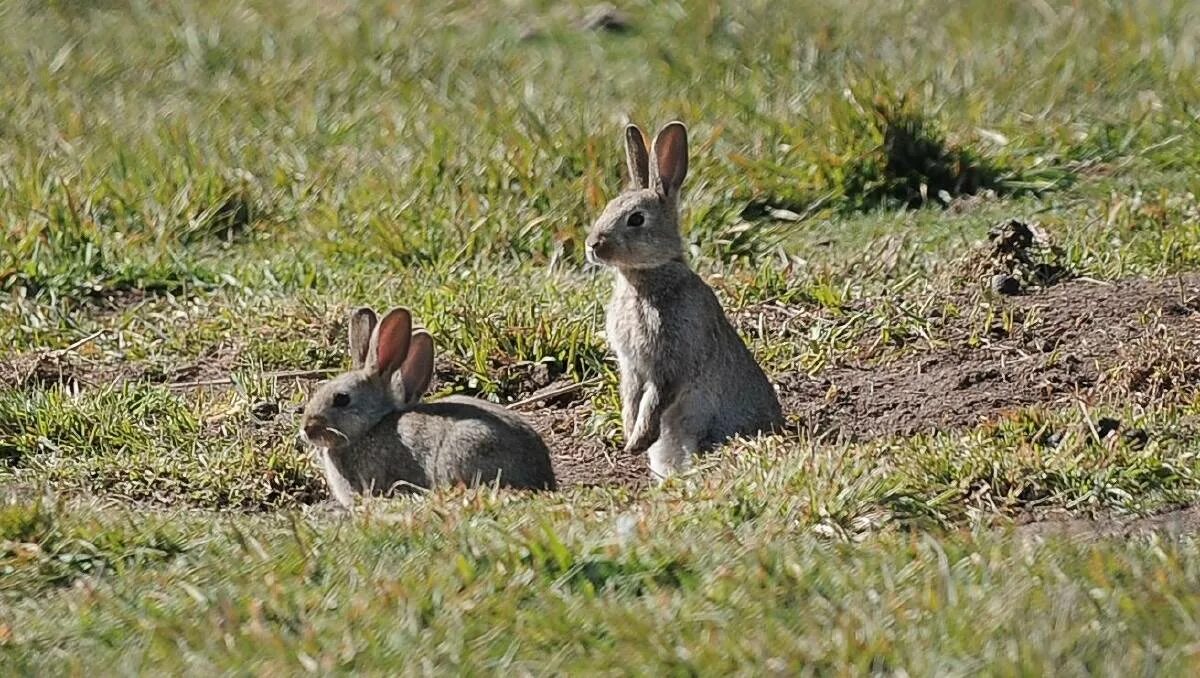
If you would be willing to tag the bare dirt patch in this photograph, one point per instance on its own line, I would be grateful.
(1085, 340)
(1178, 522)
(48, 369)
(584, 460)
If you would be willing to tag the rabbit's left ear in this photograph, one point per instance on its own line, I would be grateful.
(362, 324)
(636, 158)
(670, 162)
(417, 371)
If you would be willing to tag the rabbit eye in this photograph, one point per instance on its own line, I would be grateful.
(341, 400)
(636, 219)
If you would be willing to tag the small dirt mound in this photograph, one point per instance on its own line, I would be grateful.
(1018, 257)
(1072, 344)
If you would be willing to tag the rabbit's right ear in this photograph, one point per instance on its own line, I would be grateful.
(362, 324)
(670, 164)
(637, 158)
(389, 343)
(417, 371)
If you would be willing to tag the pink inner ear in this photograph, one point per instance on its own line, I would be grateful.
(670, 158)
(392, 339)
(417, 372)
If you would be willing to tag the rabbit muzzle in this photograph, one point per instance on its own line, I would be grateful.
(316, 431)
(598, 249)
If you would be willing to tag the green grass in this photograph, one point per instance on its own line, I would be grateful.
(197, 192)
(476, 583)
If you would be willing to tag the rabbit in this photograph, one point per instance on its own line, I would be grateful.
(688, 382)
(375, 436)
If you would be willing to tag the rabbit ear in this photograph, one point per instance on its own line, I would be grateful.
(417, 371)
(636, 157)
(389, 343)
(670, 160)
(362, 324)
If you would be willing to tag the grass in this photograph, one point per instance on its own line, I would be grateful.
(476, 583)
(193, 194)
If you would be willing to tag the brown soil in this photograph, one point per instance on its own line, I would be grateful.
(1185, 521)
(50, 369)
(1086, 340)
(583, 460)
(71, 370)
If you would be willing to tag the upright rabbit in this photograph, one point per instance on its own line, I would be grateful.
(688, 381)
(375, 436)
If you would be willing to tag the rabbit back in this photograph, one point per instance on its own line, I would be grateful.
(455, 440)
(471, 441)
(452, 441)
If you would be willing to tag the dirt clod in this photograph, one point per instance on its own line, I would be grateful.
(1050, 439)
(1003, 283)
(1106, 426)
(1012, 237)
(1020, 255)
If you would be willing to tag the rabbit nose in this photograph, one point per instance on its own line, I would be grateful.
(314, 427)
(597, 248)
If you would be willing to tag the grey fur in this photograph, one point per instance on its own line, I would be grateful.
(381, 438)
(688, 382)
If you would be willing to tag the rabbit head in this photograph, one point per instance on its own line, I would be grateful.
(392, 368)
(640, 227)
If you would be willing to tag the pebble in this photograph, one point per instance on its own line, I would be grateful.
(1003, 283)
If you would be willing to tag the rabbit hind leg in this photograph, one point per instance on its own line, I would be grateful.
(678, 439)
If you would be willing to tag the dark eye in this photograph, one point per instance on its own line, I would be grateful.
(636, 219)
(341, 400)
